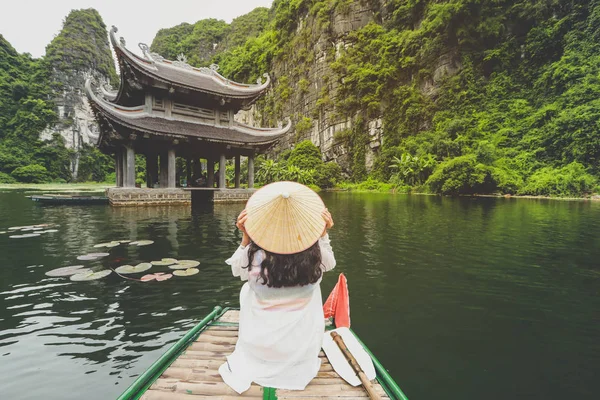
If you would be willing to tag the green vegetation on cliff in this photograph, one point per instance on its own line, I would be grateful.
(26, 88)
(497, 96)
(82, 45)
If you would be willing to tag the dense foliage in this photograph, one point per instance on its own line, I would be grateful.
(26, 88)
(476, 96)
(201, 41)
(81, 45)
(302, 164)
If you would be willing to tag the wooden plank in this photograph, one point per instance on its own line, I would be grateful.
(204, 355)
(230, 316)
(326, 391)
(204, 346)
(198, 363)
(160, 395)
(221, 328)
(220, 332)
(209, 338)
(202, 388)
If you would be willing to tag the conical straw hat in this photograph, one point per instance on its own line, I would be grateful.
(285, 217)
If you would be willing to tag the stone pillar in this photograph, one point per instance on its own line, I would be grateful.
(237, 171)
(222, 160)
(250, 171)
(164, 167)
(151, 169)
(171, 165)
(188, 172)
(130, 167)
(119, 168)
(210, 171)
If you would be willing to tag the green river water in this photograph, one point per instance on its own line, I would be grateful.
(459, 298)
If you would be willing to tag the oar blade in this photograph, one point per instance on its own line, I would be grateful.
(338, 360)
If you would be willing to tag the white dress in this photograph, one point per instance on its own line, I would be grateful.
(281, 329)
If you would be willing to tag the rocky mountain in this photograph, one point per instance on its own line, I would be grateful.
(79, 51)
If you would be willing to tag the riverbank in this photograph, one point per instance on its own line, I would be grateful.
(386, 188)
(58, 187)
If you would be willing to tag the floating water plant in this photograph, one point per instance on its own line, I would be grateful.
(179, 266)
(91, 276)
(108, 244)
(92, 256)
(141, 243)
(26, 235)
(159, 276)
(130, 269)
(67, 271)
(164, 262)
(187, 272)
(189, 263)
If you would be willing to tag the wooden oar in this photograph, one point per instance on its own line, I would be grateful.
(355, 366)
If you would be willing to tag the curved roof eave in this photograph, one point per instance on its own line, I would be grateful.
(136, 118)
(179, 73)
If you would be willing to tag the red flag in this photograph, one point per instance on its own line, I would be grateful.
(338, 304)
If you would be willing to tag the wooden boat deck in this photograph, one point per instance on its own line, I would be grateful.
(194, 374)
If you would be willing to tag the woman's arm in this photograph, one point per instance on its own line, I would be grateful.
(327, 257)
(239, 260)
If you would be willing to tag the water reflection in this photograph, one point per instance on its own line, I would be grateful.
(455, 296)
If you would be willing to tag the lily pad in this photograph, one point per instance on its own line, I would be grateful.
(141, 243)
(99, 255)
(88, 257)
(26, 235)
(107, 244)
(159, 276)
(189, 263)
(18, 228)
(164, 262)
(130, 269)
(66, 271)
(187, 272)
(179, 266)
(91, 276)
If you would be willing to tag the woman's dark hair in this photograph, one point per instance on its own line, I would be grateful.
(286, 270)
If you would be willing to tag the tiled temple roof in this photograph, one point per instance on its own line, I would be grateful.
(138, 119)
(179, 73)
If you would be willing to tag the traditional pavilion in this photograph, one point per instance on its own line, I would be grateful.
(166, 109)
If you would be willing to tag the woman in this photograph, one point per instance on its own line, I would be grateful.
(284, 251)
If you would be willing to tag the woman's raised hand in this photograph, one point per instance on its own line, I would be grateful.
(241, 220)
(240, 223)
(328, 220)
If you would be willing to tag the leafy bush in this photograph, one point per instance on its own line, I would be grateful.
(296, 174)
(6, 178)
(328, 175)
(306, 156)
(412, 170)
(369, 185)
(461, 175)
(570, 180)
(33, 173)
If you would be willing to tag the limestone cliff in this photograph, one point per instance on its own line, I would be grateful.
(79, 51)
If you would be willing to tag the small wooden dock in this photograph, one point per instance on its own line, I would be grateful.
(194, 374)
